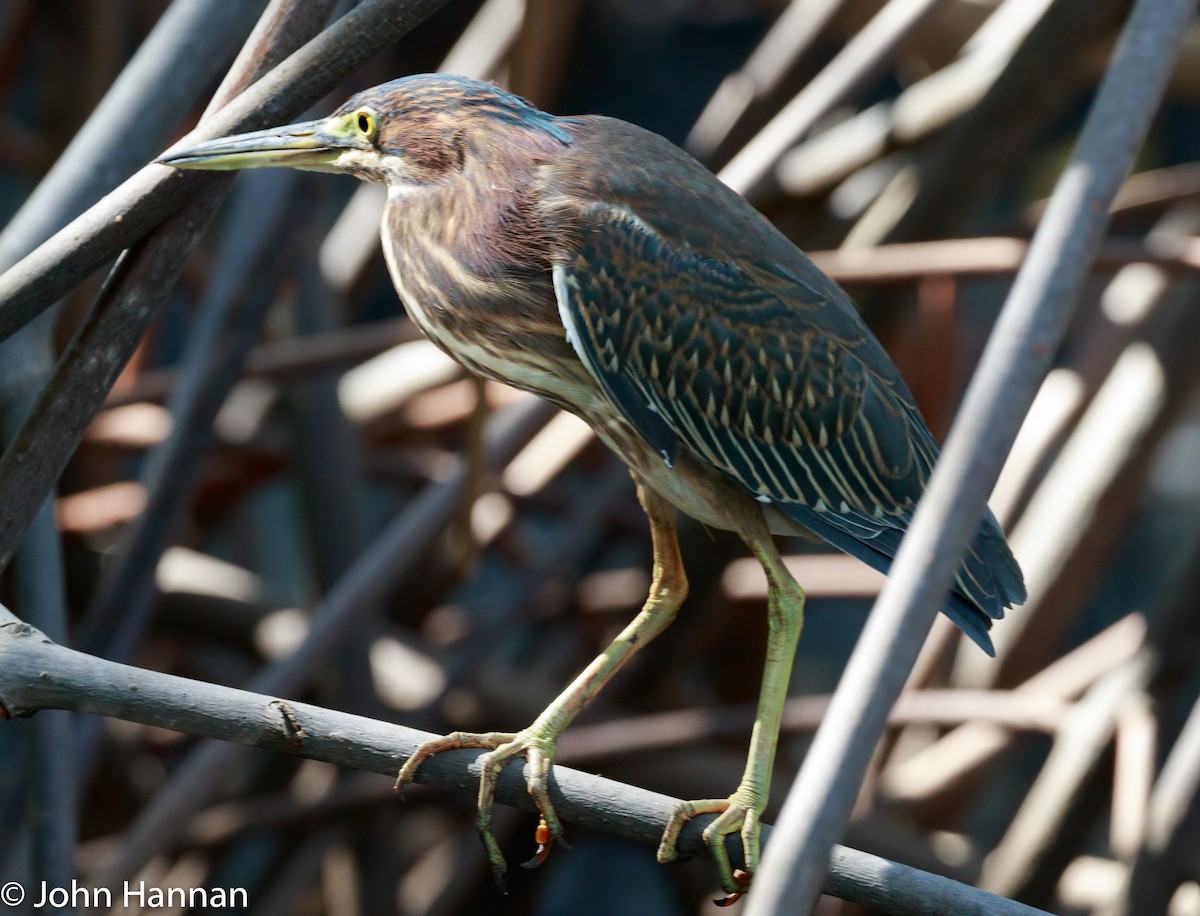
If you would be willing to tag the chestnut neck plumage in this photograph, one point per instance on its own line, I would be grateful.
(472, 245)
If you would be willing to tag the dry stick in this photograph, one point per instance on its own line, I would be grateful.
(188, 47)
(36, 456)
(326, 451)
(38, 674)
(1032, 834)
(1150, 191)
(1018, 354)
(1134, 767)
(290, 358)
(1071, 523)
(920, 109)
(957, 756)
(105, 342)
(129, 302)
(1166, 854)
(1085, 734)
(49, 794)
(135, 117)
(391, 557)
(1172, 803)
(225, 326)
(155, 192)
(541, 51)
(1134, 293)
(486, 41)
(326, 446)
(496, 615)
(995, 136)
(991, 256)
(751, 170)
(792, 34)
(283, 29)
(225, 822)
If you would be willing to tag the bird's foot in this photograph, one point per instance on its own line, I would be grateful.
(538, 748)
(740, 813)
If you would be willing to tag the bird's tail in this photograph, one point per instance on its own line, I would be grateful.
(988, 579)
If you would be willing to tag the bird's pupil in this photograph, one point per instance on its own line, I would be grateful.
(364, 123)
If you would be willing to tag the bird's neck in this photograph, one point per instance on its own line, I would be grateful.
(486, 224)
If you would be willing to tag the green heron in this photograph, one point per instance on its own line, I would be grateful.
(597, 265)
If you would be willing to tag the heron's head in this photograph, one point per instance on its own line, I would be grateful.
(414, 131)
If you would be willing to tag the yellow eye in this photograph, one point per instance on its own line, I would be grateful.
(364, 120)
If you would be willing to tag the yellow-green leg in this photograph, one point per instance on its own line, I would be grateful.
(537, 743)
(742, 811)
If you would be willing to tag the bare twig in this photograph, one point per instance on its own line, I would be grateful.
(903, 261)
(183, 52)
(792, 34)
(139, 283)
(290, 358)
(1085, 734)
(38, 453)
(1133, 775)
(750, 170)
(51, 805)
(486, 41)
(957, 755)
(1020, 99)
(155, 192)
(921, 108)
(178, 59)
(227, 323)
(1172, 803)
(1009, 711)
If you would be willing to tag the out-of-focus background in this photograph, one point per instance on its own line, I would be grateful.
(282, 411)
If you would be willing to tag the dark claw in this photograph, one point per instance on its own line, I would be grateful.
(742, 877)
(498, 880)
(545, 843)
(542, 854)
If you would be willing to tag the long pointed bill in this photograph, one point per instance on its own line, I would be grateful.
(311, 145)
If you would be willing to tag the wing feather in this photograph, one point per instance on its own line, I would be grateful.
(764, 377)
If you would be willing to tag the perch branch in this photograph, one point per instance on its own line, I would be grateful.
(37, 674)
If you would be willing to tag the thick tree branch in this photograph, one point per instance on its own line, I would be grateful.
(38, 674)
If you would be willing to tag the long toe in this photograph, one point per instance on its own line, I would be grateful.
(452, 742)
(487, 783)
(740, 813)
(539, 750)
(668, 849)
(533, 743)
